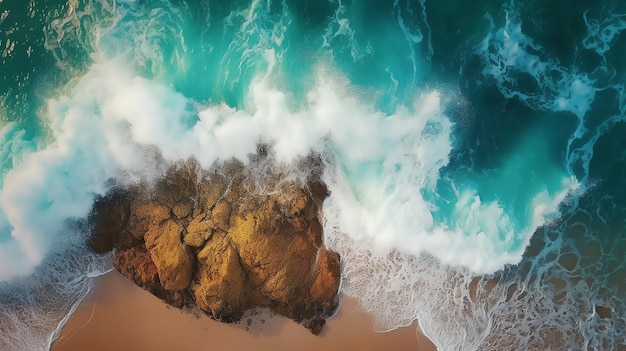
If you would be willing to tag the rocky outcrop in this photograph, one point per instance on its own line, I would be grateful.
(225, 241)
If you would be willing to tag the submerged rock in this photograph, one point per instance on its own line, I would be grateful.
(225, 241)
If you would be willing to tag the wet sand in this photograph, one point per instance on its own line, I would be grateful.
(120, 316)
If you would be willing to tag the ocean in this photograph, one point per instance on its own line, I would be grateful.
(474, 150)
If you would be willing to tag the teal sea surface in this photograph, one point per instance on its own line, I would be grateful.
(475, 150)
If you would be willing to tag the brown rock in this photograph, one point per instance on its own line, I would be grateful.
(172, 258)
(136, 264)
(145, 215)
(198, 232)
(226, 241)
(110, 216)
(212, 190)
(327, 280)
(182, 210)
(179, 184)
(220, 216)
(221, 287)
(125, 240)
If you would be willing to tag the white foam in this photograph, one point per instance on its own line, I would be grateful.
(600, 33)
(507, 51)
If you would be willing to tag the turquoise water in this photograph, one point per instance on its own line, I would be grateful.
(464, 142)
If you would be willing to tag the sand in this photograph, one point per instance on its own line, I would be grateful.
(120, 316)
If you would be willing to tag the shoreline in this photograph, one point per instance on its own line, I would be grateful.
(119, 315)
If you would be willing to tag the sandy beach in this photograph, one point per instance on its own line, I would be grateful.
(120, 316)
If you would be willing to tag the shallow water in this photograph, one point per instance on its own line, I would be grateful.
(474, 151)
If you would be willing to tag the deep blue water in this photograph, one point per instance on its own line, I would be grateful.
(474, 150)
